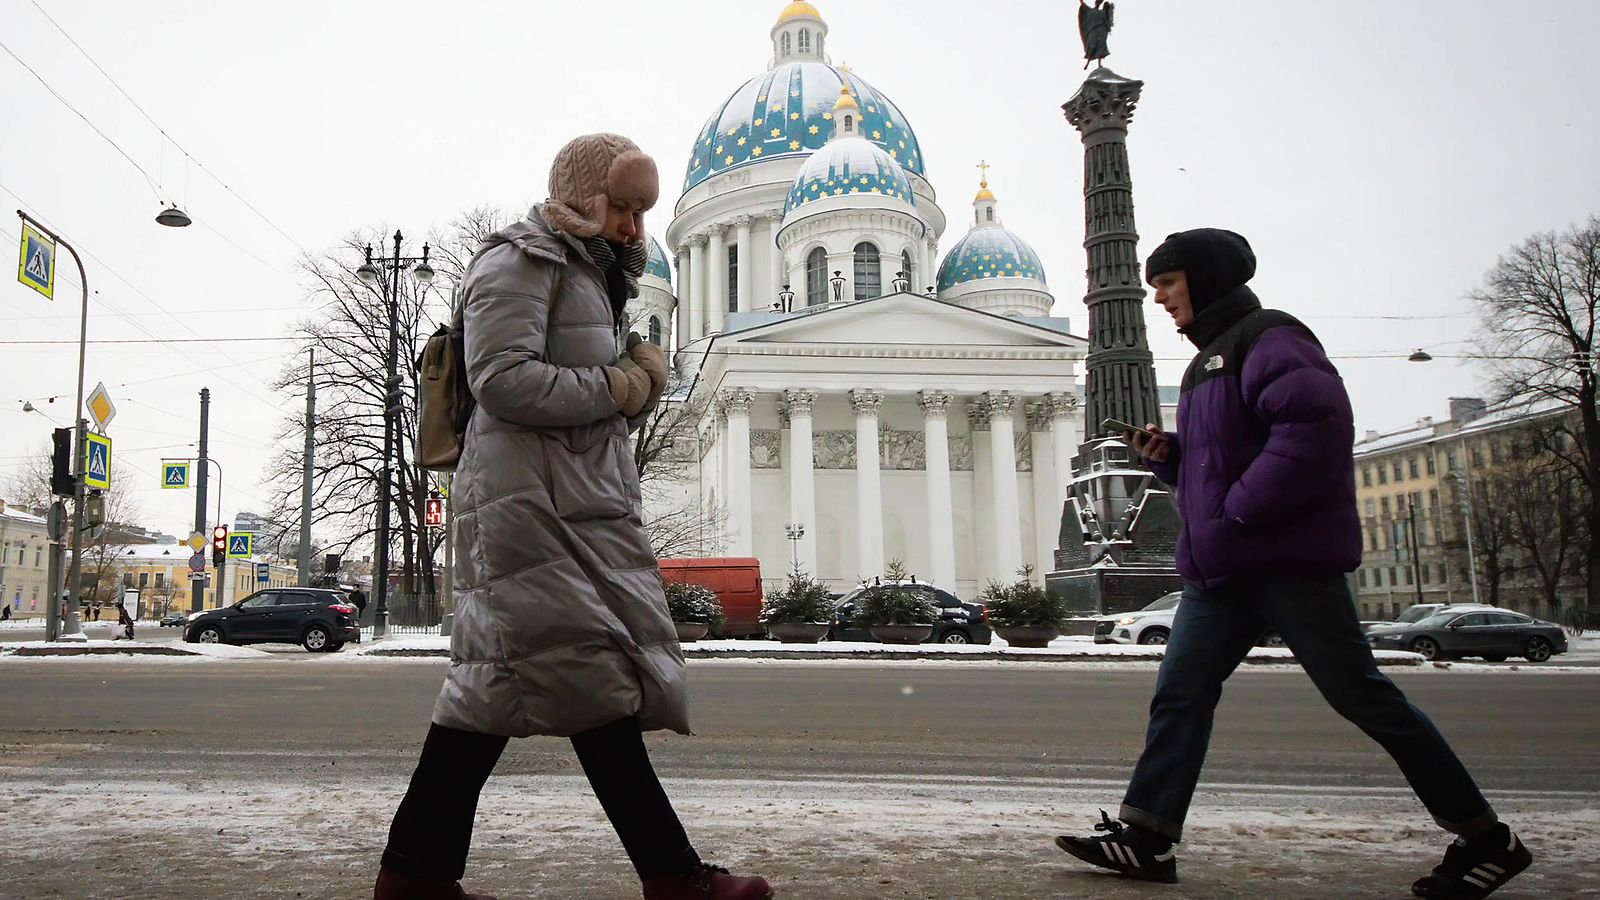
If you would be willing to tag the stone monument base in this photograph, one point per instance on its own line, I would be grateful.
(1100, 590)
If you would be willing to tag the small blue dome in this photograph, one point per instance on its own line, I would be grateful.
(849, 166)
(789, 111)
(992, 252)
(656, 262)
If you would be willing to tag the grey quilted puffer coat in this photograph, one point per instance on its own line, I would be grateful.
(561, 625)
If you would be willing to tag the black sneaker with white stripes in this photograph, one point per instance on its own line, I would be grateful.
(1133, 851)
(1475, 868)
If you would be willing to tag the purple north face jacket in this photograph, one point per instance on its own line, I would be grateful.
(1261, 460)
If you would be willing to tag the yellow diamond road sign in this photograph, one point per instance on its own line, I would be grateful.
(101, 408)
(36, 262)
(197, 542)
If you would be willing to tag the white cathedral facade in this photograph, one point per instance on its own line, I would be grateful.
(892, 402)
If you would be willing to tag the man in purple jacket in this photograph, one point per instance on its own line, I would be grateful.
(1261, 463)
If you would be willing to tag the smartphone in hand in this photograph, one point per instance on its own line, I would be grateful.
(1119, 427)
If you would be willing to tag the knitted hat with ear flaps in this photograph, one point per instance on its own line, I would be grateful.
(1214, 261)
(597, 165)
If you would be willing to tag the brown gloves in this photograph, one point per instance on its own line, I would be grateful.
(639, 378)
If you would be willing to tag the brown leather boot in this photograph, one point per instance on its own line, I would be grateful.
(394, 885)
(707, 883)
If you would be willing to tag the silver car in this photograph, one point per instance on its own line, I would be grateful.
(1491, 634)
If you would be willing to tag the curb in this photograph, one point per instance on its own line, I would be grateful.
(1006, 655)
(101, 651)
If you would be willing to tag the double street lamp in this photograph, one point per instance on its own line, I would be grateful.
(371, 274)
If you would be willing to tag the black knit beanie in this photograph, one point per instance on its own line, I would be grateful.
(1214, 261)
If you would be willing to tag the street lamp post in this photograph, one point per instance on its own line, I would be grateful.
(369, 274)
(837, 281)
(785, 300)
(796, 531)
(1415, 546)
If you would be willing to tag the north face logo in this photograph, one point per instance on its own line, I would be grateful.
(1214, 363)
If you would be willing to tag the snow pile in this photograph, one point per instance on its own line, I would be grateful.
(102, 651)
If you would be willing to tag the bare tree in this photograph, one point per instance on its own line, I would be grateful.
(27, 484)
(1542, 500)
(1541, 307)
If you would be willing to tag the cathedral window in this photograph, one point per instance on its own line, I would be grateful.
(783, 42)
(849, 123)
(655, 330)
(869, 272)
(988, 214)
(905, 266)
(817, 277)
(805, 40)
(733, 279)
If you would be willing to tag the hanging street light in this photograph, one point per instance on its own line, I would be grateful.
(1420, 355)
(173, 217)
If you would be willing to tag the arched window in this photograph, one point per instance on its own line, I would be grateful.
(905, 266)
(989, 214)
(869, 272)
(655, 330)
(849, 123)
(805, 40)
(783, 42)
(817, 277)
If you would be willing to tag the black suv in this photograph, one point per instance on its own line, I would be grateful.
(960, 622)
(317, 619)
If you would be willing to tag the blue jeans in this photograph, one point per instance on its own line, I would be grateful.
(1211, 633)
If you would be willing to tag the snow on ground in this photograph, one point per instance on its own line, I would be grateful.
(129, 650)
(544, 836)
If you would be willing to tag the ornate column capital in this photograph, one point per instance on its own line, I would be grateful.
(735, 401)
(1039, 416)
(1000, 403)
(978, 414)
(1106, 100)
(1060, 405)
(865, 402)
(717, 229)
(696, 240)
(935, 404)
(798, 402)
(741, 221)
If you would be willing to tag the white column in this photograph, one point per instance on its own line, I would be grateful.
(802, 477)
(680, 336)
(696, 286)
(775, 253)
(1046, 508)
(869, 485)
(982, 489)
(941, 513)
(1065, 434)
(717, 279)
(931, 254)
(737, 403)
(1003, 469)
(742, 236)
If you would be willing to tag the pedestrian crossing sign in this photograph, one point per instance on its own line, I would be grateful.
(36, 262)
(239, 544)
(96, 461)
(174, 476)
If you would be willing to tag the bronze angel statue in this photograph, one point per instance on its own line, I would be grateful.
(1094, 26)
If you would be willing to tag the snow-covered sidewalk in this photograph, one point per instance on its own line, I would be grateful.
(102, 650)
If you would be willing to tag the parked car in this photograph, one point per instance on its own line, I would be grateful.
(174, 618)
(1153, 625)
(1419, 611)
(737, 583)
(1492, 634)
(317, 619)
(960, 622)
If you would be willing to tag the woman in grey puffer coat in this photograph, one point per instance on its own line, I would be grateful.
(561, 626)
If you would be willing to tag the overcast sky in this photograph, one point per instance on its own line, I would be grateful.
(1379, 156)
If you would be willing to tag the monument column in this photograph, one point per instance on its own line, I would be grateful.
(1121, 381)
(736, 402)
(936, 463)
(869, 485)
(1003, 472)
(802, 477)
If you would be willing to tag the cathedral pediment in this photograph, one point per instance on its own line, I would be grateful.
(901, 323)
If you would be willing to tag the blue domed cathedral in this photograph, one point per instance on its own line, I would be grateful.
(850, 382)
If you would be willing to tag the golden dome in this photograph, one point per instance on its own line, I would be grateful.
(845, 101)
(983, 192)
(796, 10)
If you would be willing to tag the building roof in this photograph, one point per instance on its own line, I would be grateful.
(1496, 417)
(656, 262)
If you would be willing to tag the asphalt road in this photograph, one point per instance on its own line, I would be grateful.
(916, 780)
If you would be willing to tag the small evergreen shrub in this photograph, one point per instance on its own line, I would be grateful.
(693, 604)
(1023, 604)
(801, 600)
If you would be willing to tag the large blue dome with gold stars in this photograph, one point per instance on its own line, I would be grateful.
(992, 252)
(789, 111)
(656, 262)
(849, 166)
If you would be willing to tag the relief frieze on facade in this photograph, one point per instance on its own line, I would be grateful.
(766, 448)
(899, 451)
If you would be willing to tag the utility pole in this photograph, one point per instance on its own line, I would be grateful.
(1416, 561)
(197, 586)
(305, 475)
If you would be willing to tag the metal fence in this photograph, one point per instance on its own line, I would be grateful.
(412, 613)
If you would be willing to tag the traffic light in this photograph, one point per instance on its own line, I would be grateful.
(219, 545)
(433, 517)
(62, 484)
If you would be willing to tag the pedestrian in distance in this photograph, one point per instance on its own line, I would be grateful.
(1262, 465)
(5, 612)
(561, 626)
(124, 622)
(358, 599)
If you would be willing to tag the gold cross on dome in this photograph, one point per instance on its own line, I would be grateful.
(983, 166)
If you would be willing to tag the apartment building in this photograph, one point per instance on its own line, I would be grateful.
(24, 551)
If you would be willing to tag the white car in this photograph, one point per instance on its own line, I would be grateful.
(1150, 625)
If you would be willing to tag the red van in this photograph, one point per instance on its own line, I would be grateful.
(736, 581)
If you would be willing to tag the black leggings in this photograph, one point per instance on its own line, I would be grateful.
(432, 829)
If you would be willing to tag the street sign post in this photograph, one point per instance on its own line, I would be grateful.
(197, 542)
(175, 477)
(36, 262)
(97, 461)
(101, 408)
(197, 562)
(240, 544)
